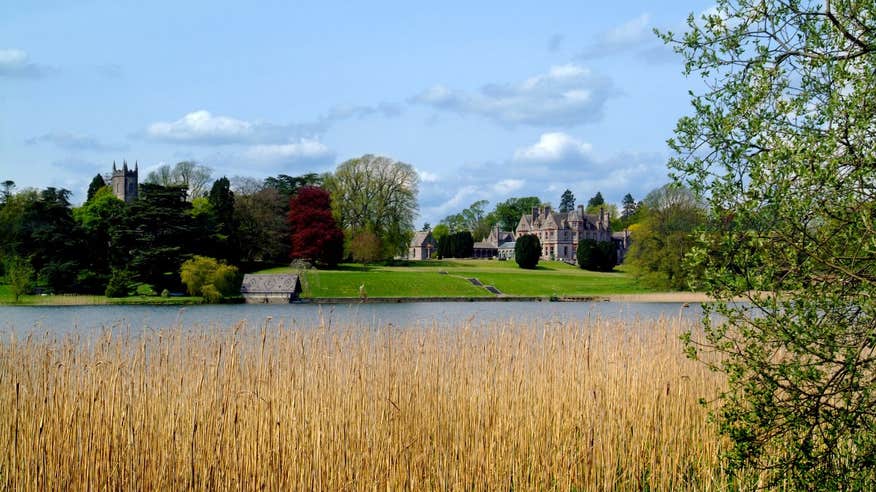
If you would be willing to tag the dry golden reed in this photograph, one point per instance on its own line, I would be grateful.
(555, 405)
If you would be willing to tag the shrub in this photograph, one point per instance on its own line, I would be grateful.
(527, 251)
(119, 284)
(596, 256)
(202, 272)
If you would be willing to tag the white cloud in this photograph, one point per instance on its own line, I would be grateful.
(72, 141)
(507, 186)
(633, 35)
(16, 63)
(304, 149)
(553, 147)
(427, 177)
(566, 95)
(201, 126)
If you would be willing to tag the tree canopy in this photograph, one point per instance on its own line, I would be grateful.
(315, 236)
(567, 201)
(780, 145)
(376, 194)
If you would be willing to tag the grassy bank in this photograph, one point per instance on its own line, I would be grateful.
(6, 297)
(448, 278)
(570, 406)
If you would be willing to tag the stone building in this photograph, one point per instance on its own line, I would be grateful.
(124, 182)
(270, 288)
(559, 232)
(489, 247)
(422, 246)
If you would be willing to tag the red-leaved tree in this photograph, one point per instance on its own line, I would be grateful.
(316, 236)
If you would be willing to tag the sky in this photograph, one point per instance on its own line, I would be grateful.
(486, 100)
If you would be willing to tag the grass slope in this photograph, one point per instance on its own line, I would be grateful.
(448, 279)
(6, 297)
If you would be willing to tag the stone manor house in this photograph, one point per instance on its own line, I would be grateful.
(559, 232)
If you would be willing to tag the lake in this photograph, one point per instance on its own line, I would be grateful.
(60, 320)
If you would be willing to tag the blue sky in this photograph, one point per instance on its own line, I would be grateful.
(487, 100)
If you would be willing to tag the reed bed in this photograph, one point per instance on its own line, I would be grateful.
(557, 405)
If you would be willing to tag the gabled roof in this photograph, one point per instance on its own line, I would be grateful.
(280, 283)
(485, 245)
(421, 238)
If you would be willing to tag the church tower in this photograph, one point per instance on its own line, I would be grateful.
(125, 182)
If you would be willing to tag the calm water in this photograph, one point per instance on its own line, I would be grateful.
(84, 320)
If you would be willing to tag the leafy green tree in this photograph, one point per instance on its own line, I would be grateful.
(261, 229)
(288, 186)
(96, 184)
(661, 241)
(474, 219)
(781, 147)
(439, 232)
(596, 256)
(97, 218)
(156, 234)
(19, 276)
(567, 201)
(8, 187)
(377, 194)
(527, 251)
(595, 201)
(365, 247)
(222, 226)
(210, 278)
(120, 284)
(508, 213)
(456, 245)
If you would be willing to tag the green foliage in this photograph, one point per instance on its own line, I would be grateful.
(209, 278)
(663, 238)
(261, 229)
(527, 251)
(596, 200)
(439, 232)
(508, 213)
(144, 290)
(567, 201)
(377, 194)
(781, 147)
(96, 184)
(456, 245)
(365, 247)
(596, 256)
(473, 219)
(19, 275)
(120, 284)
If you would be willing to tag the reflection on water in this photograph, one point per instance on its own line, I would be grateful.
(59, 320)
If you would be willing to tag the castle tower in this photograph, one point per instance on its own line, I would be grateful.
(124, 182)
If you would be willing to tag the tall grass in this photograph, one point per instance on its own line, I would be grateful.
(587, 405)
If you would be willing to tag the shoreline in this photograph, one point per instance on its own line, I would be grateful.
(655, 297)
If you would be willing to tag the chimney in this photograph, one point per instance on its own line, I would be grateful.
(534, 213)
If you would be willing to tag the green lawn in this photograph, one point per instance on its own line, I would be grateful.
(6, 297)
(448, 279)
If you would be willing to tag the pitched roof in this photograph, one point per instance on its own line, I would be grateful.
(281, 283)
(419, 238)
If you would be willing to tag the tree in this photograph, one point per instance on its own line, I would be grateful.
(7, 191)
(261, 229)
(188, 174)
(567, 201)
(156, 234)
(426, 227)
(221, 220)
(456, 245)
(97, 182)
(527, 251)
(210, 278)
(377, 194)
(508, 213)
(629, 206)
(97, 218)
(315, 236)
(781, 147)
(439, 231)
(596, 256)
(595, 201)
(664, 237)
(473, 219)
(365, 247)
(288, 186)
(19, 276)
